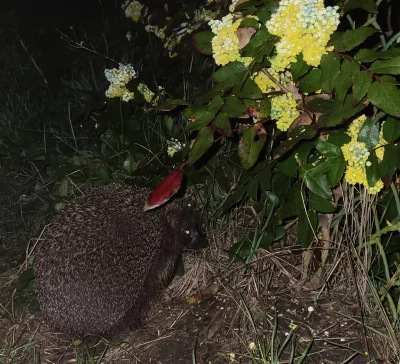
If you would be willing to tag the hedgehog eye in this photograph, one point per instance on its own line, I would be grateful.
(187, 232)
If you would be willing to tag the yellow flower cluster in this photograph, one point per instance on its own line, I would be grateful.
(264, 83)
(118, 79)
(160, 33)
(174, 146)
(146, 92)
(355, 175)
(379, 149)
(355, 127)
(133, 10)
(233, 5)
(356, 154)
(304, 26)
(283, 109)
(225, 44)
(202, 15)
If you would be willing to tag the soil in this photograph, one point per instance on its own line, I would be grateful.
(179, 332)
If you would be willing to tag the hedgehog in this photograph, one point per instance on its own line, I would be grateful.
(102, 262)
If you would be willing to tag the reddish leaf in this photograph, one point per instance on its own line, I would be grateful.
(170, 105)
(165, 190)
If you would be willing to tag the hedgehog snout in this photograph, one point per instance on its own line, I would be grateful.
(197, 240)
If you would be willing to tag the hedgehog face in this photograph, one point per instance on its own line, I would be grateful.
(187, 231)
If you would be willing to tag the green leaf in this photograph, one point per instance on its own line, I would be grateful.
(217, 90)
(361, 84)
(336, 172)
(311, 81)
(249, 147)
(264, 15)
(323, 106)
(249, 22)
(258, 42)
(391, 129)
(264, 178)
(249, 90)
(129, 164)
(293, 204)
(202, 42)
(369, 55)
(387, 66)
(241, 250)
(233, 199)
(234, 72)
(386, 96)
(320, 204)
(169, 123)
(330, 69)
(203, 141)
(280, 232)
(346, 41)
(63, 188)
(372, 170)
(341, 114)
(248, 4)
(288, 166)
(202, 114)
(24, 279)
(315, 178)
(252, 188)
(369, 133)
(345, 79)
(306, 228)
(339, 138)
(304, 150)
(391, 159)
(328, 149)
(171, 104)
(299, 133)
(99, 175)
(234, 107)
(299, 68)
(280, 185)
(222, 124)
(368, 5)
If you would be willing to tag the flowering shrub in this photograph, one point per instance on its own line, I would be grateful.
(286, 76)
(304, 102)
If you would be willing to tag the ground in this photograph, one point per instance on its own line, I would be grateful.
(251, 307)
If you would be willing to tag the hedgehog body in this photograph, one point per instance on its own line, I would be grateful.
(102, 261)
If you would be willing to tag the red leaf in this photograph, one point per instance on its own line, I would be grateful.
(165, 190)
